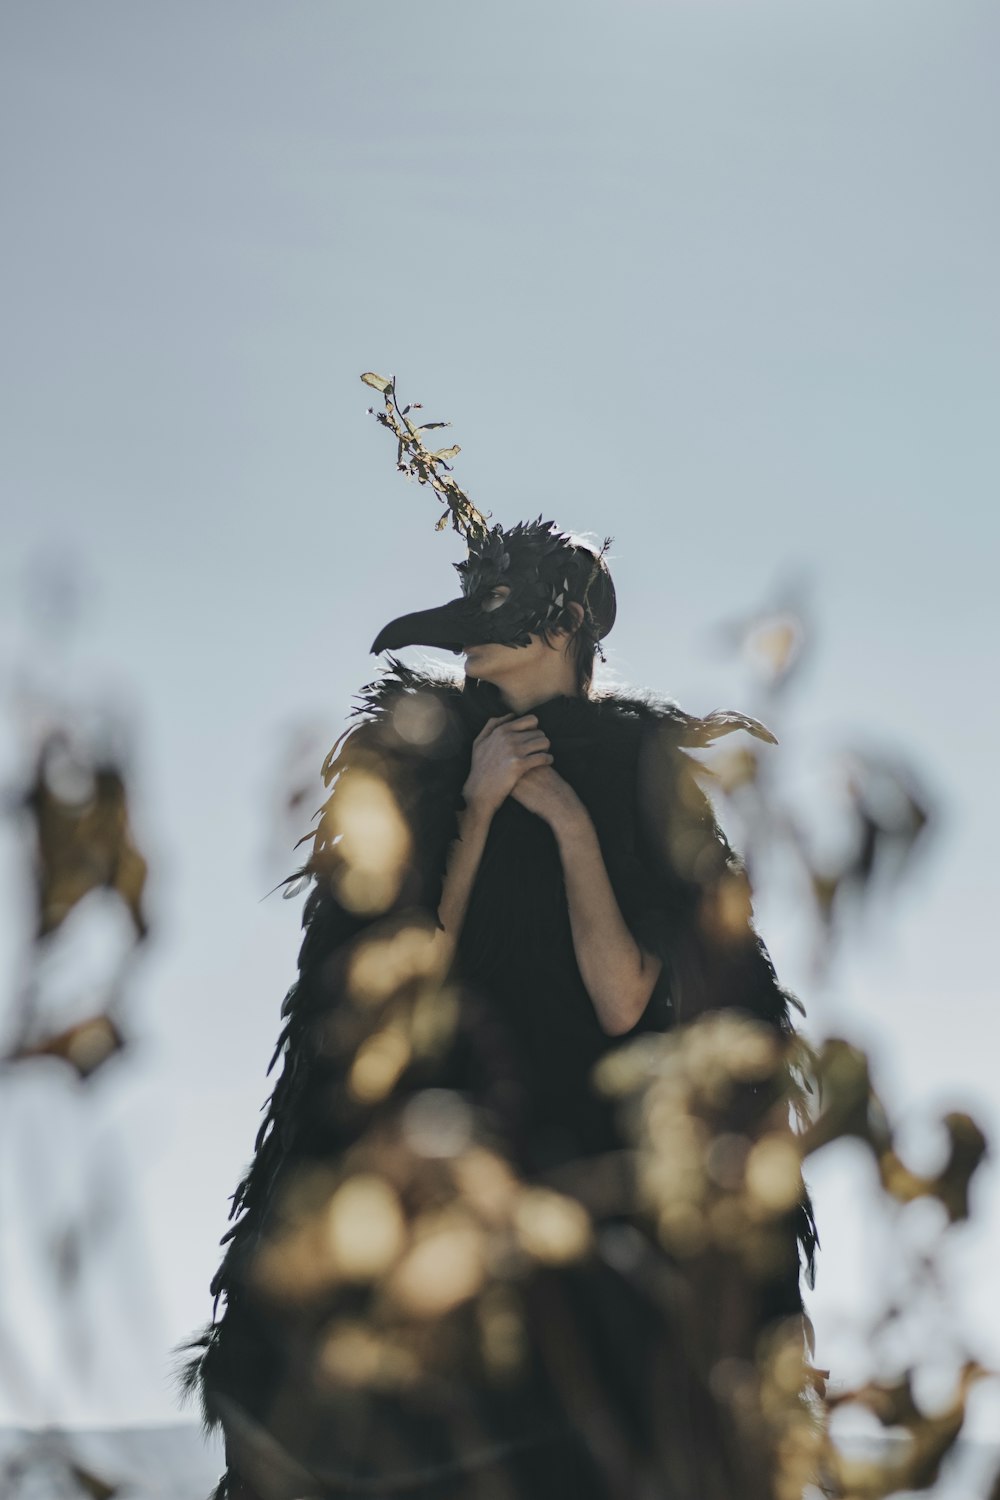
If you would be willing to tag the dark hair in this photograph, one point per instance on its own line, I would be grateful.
(583, 650)
(596, 592)
(591, 587)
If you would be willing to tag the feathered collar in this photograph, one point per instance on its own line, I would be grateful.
(470, 703)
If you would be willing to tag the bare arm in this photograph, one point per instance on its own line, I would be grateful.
(618, 974)
(463, 865)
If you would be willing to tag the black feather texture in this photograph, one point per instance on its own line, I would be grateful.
(521, 1053)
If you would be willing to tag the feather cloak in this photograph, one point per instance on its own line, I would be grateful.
(440, 1280)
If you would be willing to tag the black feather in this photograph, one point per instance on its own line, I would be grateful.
(525, 1049)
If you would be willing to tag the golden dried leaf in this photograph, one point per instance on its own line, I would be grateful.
(378, 1066)
(374, 843)
(445, 1267)
(850, 1105)
(85, 1046)
(931, 1437)
(968, 1149)
(83, 844)
(353, 1356)
(951, 1186)
(486, 1182)
(382, 965)
(365, 1227)
(773, 1177)
(551, 1228)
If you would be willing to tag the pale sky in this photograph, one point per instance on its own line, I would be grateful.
(718, 278)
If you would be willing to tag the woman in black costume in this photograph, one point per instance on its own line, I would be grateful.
(445, 1278)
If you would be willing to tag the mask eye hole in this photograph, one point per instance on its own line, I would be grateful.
(495, 598)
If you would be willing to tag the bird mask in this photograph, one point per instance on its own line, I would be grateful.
(545, 571)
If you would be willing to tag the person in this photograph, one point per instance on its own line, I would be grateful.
(445, 1278)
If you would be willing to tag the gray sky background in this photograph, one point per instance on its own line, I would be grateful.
(719, 278)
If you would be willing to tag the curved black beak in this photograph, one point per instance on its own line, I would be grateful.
(451, 626)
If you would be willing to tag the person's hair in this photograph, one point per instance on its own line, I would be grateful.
(583, 650)
(589, 585)
(600, 610)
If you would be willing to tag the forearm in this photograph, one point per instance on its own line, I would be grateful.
(464, 858)
(618, 974)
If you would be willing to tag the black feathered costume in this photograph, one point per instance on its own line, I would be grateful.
(355, 1381)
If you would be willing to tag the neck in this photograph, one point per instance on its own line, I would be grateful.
(522, 697)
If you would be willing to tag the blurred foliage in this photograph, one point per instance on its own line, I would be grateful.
(884, 814)
(80, 839)
(421, 1253)
(79, 816)
(45, 1467)
(882, 808)
(73, 810)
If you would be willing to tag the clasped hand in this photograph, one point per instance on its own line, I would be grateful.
(511, 758)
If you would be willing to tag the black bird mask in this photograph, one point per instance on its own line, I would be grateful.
(545, 571)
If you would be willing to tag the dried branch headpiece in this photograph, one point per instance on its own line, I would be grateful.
(417, 461)
(537, 570)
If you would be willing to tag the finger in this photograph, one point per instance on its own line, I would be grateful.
(489, 727)
(535, 762)
(527, 744)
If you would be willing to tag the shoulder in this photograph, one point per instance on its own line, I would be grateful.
(392, 776)
(407, 732)
(675, 812)
(659, 729)
(405, 715)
